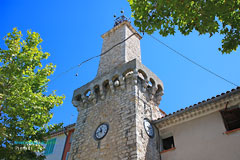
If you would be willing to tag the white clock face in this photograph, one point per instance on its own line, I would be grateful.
(101, 131)
(148, 128)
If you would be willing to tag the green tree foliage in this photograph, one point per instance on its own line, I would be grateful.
(25, 109)
(204, 16)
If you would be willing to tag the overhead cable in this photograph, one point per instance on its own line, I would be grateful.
(58, 76)
(193, 62)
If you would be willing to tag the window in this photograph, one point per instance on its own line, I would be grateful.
(71, 137)
(168, 143)
(50, 146)
(67, 155)
(231, 118)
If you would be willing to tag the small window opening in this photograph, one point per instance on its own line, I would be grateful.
(127, 73)
(231, 118)
(149, 85)
(96, 90)
(106, 86)
(168, 143)
(159, 89)
(78, 97)
(151, 82)
(116, 81)
(142, 74)
(87, 93)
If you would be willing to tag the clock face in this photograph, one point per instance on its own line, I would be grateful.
(101, 131)
(148, 128)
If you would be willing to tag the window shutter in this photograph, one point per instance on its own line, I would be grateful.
(50, 146)
(47, 147)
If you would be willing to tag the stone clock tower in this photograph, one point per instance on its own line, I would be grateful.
(117, 107)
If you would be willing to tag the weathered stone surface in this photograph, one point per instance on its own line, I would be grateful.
(122, 95)
(122, 53)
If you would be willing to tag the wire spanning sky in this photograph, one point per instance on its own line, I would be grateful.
(72, 31)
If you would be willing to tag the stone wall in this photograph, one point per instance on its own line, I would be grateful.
(123, 107)
(132, 46)
(147, 148)
(122, 53)
(123, 93)
(118, 110)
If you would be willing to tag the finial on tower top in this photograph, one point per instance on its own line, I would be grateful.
(120, 19)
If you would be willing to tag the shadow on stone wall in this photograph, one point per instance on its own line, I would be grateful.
(153, 147)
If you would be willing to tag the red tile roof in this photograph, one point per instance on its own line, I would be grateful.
(61, 131)
(200, 103)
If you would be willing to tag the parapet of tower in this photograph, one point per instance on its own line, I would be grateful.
(121, 61)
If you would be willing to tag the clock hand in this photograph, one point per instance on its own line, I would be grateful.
(149, 127)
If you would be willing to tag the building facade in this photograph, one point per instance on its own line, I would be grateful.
(207, 130)
(119, 117)
(59, 143)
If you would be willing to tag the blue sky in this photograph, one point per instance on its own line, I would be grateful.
(72, 31)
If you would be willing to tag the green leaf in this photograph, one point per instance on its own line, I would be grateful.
(206, 17)
(24, 107)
